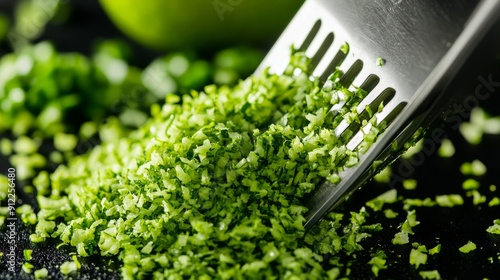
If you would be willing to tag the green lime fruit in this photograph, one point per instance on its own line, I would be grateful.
(201, 24)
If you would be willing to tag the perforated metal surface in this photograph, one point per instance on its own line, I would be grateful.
(423, 43)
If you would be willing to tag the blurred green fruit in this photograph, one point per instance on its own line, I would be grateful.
(201, 24)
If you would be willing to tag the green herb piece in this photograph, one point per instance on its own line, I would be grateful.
(413, 150)
(471, 132)
(494, 202)
(384, 176)
(449, 200)
(410, 184)
(25, 145)
(390, 214)
(1, 254)
(477, 198)
(401, 238)
(41, 273)
(476, 168)
(380, 61)
(35, 238)
(430, 274)
(65, 142)
(409, 202)
(417, 258)
(77, 262)
(406, 229)
(435, 250)
(27, 254)
(470, 246)
(68, 267)
(493, 188)
(378, 262)
(377, 203)
(495, 228)
(27, 267)
(447, 149)
(470, 184)
(6, 147)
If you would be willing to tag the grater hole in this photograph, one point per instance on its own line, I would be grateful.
(347, 131)
(335, 62)
(310, 37)
(349, 76)
(370, 83)
(392, 115)
(321, 52)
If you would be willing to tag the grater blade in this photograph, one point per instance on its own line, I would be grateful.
(423, 43)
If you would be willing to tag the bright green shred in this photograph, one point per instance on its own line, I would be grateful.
(495, 228)
(469, 247)
(417, 258)
(390, 214)
(384, 176)
(68, 267)
(494, 202)
(27, 267)
(410, 184)
(449, 200)
(41, 273)
(388, 197)
(435, 250)
(447, 149)
(470, 184)
(430, 274)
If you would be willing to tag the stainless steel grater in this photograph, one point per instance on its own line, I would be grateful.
(423, 44)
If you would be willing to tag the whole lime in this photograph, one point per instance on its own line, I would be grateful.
(201, 24)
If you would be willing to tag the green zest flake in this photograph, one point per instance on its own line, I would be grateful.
(406, 229)
(390, 214)
(410, 184)
(447, 149)
(472, 133)
(477, 198)
(384, 176)
(5, 147)
(495, 228)
(1, 254)
(449, 200)
(470, 184)
(380, 61)
(470, 246)
(378, 262)
(435, 250)
(413, 150)
(494, 202)
(27, 267)
(417, 258)
(41, 273)
(476, 168)
(27, 254)
(26, 145)
(430, 274)
(68, 267)
(409, 202)
(377, 203)
(65, 142)
(77, 262)
(345, 48)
